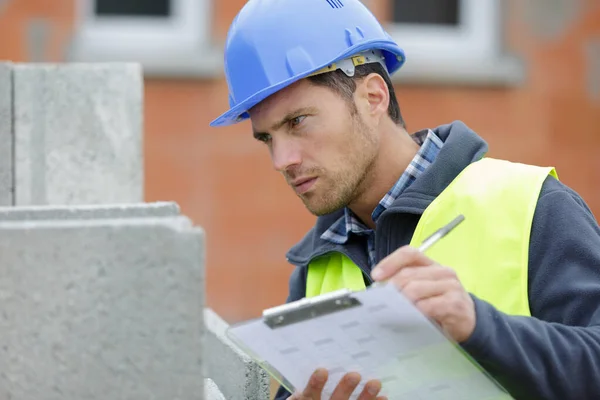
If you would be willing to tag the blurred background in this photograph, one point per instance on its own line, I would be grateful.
(524, 74)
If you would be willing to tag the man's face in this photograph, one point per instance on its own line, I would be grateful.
(319, 143)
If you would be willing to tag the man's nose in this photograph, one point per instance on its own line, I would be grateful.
(285, 153)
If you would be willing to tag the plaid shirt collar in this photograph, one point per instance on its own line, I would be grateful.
(431, 144)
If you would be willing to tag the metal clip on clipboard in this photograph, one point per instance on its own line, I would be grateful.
(309, 308)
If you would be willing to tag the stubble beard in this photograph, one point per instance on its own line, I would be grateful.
(341, 189)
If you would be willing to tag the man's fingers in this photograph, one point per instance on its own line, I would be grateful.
(420, 290)
(315, 385)
(346, 386)
(430, 272)
(343, 390)
(445, 307)
(403, 257)
(370, 390)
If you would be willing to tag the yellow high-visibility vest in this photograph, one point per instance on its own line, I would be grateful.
(489, 250)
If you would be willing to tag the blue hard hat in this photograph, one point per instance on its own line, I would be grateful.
(274, 43)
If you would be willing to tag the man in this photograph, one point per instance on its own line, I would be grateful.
(517, 284)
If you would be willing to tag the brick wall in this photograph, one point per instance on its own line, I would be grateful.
(224, 180)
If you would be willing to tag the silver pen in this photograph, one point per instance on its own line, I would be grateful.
(433, 238)
(440, 233)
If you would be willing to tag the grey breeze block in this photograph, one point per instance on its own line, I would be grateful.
(235, 373)
(6, 135)
(77, 133)
(101, 309)
(83, 212)
(211, 390)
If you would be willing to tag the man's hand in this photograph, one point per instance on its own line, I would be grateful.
(343, 390)
(434, 289)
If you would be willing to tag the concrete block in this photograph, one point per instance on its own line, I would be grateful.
(101, 309)
(211, 390)
(6, 135)
(78, 134)
(84, 212)
(236, 374)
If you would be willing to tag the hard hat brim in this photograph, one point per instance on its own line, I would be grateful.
(395, 59)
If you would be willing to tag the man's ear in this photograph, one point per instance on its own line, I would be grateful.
(374, 91)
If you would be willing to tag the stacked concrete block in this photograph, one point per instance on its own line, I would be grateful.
(83, 212)
(75, 133)
(6, 136)
(101, 296)
(234, 372)
(211, 390)
(101, 308)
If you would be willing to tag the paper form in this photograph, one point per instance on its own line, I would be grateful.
(385, 337)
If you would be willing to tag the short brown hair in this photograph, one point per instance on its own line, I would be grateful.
(345, 86)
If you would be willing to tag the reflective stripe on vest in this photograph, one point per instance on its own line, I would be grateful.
(489, 251)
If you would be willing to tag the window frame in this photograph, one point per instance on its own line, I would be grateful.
(472, 52)
(176, 45)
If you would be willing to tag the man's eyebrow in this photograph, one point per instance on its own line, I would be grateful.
(289, 116)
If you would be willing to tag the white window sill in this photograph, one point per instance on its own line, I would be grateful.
(501, 71)
(184, 62)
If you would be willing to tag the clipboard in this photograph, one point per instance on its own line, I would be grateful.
(376, 332)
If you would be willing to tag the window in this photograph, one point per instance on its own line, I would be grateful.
(133, 8)
(168, 37)
(457, 41)
(426, 12)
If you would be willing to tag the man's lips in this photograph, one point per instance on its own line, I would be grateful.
(302, 185)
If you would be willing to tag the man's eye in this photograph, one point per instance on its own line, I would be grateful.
(263, 138)
(296, 120)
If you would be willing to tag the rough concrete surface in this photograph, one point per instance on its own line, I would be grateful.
(81, 212)
(101, 309)
(211, 390)
(78, 133)
(236, 375)
(6, 135)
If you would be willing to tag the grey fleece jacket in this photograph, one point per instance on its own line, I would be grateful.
(555, 353)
